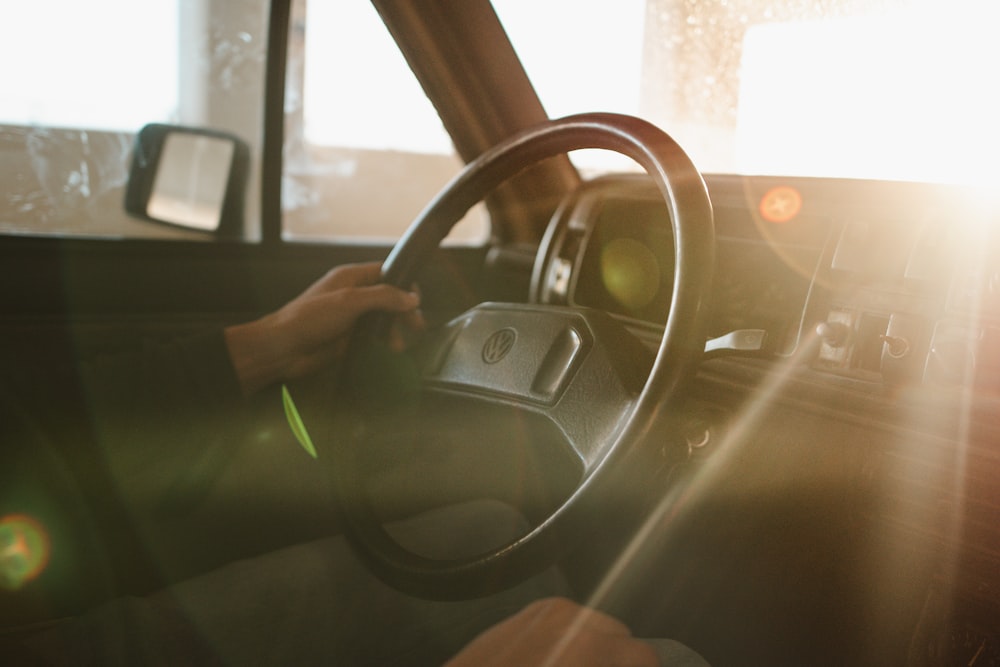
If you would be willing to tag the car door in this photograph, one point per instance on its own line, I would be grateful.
(338, 164)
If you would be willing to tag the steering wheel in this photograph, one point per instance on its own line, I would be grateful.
(572, 367)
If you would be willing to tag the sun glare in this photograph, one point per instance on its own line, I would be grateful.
(900, 96)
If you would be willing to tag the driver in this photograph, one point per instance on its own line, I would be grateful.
(315, 602)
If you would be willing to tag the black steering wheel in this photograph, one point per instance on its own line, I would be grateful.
(550, 361)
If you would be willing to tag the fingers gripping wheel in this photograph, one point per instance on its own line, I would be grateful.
(558, 357)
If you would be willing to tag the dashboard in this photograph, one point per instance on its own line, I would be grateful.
(611, 248)
(875, 308)
(899, 281)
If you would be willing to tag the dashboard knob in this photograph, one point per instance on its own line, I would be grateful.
(834, 334)
(897, 347)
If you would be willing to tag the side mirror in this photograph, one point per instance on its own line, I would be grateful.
(189, 177)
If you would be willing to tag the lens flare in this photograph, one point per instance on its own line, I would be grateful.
(24, 550)
(630, 273)
(780, 204)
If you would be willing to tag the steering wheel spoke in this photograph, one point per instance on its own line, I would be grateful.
(578, 368)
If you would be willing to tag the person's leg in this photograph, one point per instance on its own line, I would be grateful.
(306, 604)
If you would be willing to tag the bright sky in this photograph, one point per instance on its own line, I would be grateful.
(891, 97)
(359, 91)
(110, 64)
(895, 97)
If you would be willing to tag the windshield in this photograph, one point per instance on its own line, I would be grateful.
(891, 89)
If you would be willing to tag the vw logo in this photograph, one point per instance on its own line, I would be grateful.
(498, 345)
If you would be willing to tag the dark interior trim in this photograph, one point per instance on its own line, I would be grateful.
(274, 122)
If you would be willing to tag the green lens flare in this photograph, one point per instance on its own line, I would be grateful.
(24, 551)
(296, 424)
(630, 273)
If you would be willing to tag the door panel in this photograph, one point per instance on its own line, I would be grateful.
(66, 302)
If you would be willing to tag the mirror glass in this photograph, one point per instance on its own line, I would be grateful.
(191, 179)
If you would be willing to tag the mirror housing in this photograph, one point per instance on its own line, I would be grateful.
(189, 177)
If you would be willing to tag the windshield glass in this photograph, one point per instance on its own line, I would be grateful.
(82, 78)
(893, 89)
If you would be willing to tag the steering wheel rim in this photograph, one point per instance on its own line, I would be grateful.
(686, 197)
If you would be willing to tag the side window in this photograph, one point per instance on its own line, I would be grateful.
(365, 150)
(81, 78)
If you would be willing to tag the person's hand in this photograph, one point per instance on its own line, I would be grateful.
(313, 329)
(556, 632)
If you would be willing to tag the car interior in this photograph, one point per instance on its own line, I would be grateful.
(711, 293)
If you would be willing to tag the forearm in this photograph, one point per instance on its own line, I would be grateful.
(256, 355)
